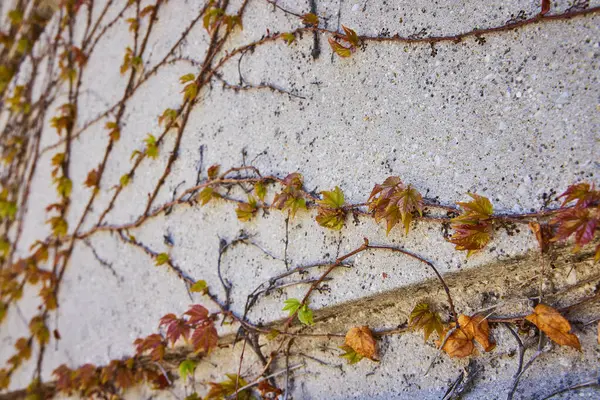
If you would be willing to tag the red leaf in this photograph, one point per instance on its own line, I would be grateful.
(176, 327)
(197, 314)
(582, 193)
(205, 337)
(545, 6)
(580, 222)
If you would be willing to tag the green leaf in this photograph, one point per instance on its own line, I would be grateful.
(291, 305)
(332, 199)
(479, 209)
(152, 151)
(161, 259)
(150, 140)
(168, 116)
(305, 315)
(350, 354)
(199, 286)
(187, 368)
(331, 218)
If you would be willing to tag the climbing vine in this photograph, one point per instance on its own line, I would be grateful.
(158, 359)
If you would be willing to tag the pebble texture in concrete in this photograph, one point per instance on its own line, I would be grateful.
(515, 118)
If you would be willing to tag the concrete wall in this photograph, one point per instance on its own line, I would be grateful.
(514, 119)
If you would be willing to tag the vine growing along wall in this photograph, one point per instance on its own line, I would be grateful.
(52, 57)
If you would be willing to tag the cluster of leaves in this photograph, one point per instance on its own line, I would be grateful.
(345, 50)
(474, 226)
(68, 61)
(209, 193)
(90, 381)
(213, 16)
(291, 198)
(393, 202)
(459, 340)
(17, 103)
(130, 60)
(580, 221)
(197, 326)
(295, 307)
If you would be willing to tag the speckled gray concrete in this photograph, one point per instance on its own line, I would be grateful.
(513, 119)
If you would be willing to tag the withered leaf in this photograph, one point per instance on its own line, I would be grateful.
(558, 329)
(458, 345)
(213, 171)
(361, 340)
(543, 234)
(477, 327)
(265, 388)
(92, 179)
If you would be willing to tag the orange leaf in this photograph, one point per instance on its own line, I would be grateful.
(459, 344)
(360, 339)
(543, 234)
(549, 321)
(477, 327)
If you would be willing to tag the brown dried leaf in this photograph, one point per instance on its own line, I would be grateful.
(458, 345)
(361, 340)
(477, 327)
(558, 329)
(543, 233)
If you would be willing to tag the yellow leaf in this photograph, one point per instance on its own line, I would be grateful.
(549, 321)
(361, 340)
(340, 50)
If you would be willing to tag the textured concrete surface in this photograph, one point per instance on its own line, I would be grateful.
(516, 119)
